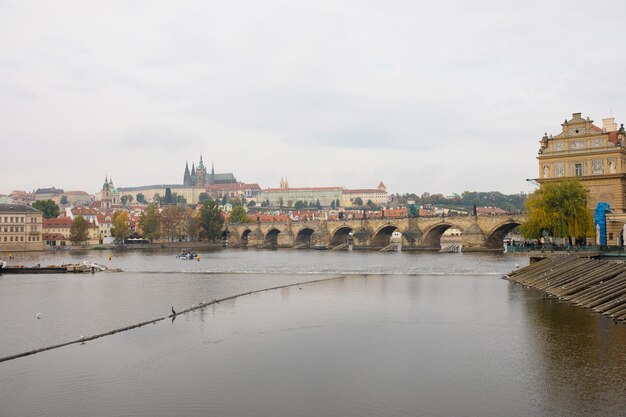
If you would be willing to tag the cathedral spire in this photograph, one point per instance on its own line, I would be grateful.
(187, 176)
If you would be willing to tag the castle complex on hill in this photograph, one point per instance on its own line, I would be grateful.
(198, 176)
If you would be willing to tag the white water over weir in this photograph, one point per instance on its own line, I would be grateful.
(155, 320)
(599, 285)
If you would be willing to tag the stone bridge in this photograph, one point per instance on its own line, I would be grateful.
(478, 233)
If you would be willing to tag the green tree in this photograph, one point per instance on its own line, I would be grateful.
(280, 202)
(150, 223)
(120, 229)
(179, 199)
(78, 230)
(141, 199)
(560, 208)
(47, 207)
(203, 197)
(239, 215)
(64, 201)
(298, 205)
(211, 220)
(124, 199)
(357, 201)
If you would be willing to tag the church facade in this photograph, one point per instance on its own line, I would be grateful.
(199, 177)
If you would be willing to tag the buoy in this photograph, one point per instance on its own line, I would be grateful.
(516, 265)
(38, 315)
(198, 258)
(110, 257)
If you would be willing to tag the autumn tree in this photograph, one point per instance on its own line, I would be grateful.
(121, 228)
(192, 223)
(150, 223)
(172, 222)
(211, 220)
(560, 208)
(78, 230)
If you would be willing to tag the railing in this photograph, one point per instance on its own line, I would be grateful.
(550, 247)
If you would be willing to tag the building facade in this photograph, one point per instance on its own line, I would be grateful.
(594, 155)
(376, 195)
(289, 196)
(20, 228)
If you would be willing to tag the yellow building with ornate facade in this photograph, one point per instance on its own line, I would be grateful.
(596, 156)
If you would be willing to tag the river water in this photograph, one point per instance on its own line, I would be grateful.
(392, 334)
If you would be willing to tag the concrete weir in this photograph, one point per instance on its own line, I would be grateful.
(599, 285)
(203, 304)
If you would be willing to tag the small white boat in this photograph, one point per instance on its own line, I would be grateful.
(187, 255)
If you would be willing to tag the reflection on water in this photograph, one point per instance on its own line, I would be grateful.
(428, 339)
(584, 357)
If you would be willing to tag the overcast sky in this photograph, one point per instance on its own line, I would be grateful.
(437, 96)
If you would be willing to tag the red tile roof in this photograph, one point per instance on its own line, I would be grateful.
(58, 222)
(364, 190)
(304, 189)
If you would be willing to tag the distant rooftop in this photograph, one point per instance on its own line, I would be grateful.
(17, 208)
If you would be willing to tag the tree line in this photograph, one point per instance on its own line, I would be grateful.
(170, 223)
(509, 202)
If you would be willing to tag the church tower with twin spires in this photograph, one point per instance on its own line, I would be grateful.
(199, 177)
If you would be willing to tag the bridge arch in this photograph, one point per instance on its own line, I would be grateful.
(304, 236)
(382, 237)
(495, 239)
(244, 236)
(432, 237)
(340, 235)
(272, 236)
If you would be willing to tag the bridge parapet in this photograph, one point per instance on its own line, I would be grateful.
(481, 233)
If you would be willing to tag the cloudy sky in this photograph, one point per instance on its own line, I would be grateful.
(437, 96)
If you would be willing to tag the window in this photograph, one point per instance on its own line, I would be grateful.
(579, 170)
(21, 238)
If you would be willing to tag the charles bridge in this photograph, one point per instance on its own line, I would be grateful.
(478, 233)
